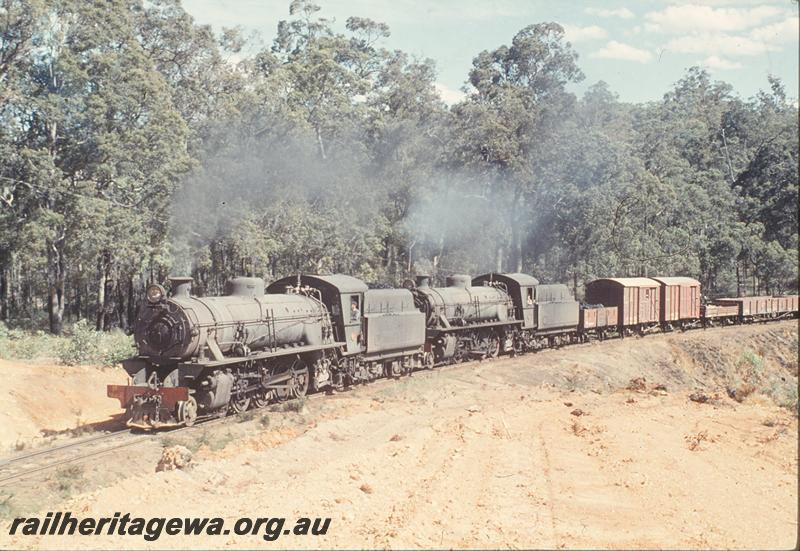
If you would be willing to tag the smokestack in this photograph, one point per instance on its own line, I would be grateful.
(181, 286)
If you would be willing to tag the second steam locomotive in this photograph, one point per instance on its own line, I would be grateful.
(205, 356)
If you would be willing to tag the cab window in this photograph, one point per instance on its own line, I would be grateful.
(355, 308)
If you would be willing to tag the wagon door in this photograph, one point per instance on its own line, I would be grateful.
(647, 304)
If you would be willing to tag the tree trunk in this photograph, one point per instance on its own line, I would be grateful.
(4, 294)
(575, 282)
(122, 304)
(738, 281)
(55, 295)
(131, 314)
(100, 319)
(320, 144)
(516, 238)
(391, 253)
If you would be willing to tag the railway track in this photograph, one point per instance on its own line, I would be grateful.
(34, 462)
(38, 461)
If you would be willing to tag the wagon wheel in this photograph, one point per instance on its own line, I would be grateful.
(297, 385)
(428, 360)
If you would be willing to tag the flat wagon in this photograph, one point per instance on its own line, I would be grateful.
(598, 320)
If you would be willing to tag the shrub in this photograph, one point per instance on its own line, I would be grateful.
(68, 479)
(81, 346)
(115, 346)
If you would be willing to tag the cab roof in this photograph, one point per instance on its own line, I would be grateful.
(341, 282)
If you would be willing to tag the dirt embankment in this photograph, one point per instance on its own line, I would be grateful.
(42, 399)
(681, 441)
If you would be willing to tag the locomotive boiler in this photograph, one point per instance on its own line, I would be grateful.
(464, 321)
(241, 321)
(198, 356)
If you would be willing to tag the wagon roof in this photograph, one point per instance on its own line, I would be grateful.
(630, 281)
(677, 281)
(520, 279)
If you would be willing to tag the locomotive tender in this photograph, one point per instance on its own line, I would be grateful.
(205, 356)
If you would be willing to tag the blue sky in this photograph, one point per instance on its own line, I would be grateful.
(639, 48)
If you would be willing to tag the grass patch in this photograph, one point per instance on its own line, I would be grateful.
(295, 405)
(787, 398)
(68, 479)
(213, 442)
(248, 415)
(222, 441)
(7, 509)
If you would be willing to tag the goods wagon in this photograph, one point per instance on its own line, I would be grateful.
(679, 299)
(784, 304)
(598, 319)
(714, 314)
(637, 299)
(749, 307)
(753, 308)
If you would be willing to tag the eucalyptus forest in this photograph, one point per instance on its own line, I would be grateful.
(137, 144)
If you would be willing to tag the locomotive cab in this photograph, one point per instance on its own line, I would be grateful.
(342, 295)
(522, 290)
(381, 330)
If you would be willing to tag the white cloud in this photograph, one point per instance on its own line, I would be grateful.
(448, 95)
(623, 13)
(714, 62)
(718, 44)
(697, 18)
(729, 2)
(576, 33)
(777, 33)
(618, 50)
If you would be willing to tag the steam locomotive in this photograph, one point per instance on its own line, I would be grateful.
(200, 357)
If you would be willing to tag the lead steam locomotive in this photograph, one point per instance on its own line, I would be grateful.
(206, 356)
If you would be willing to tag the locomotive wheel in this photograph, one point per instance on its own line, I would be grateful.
(240, 405)
(187, 411)
(494, 347)
(240, 401)
(297, 385)
(261, 399)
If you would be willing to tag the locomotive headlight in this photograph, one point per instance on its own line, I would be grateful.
(155, 293)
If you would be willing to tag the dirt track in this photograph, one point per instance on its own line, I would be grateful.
(494, 454)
